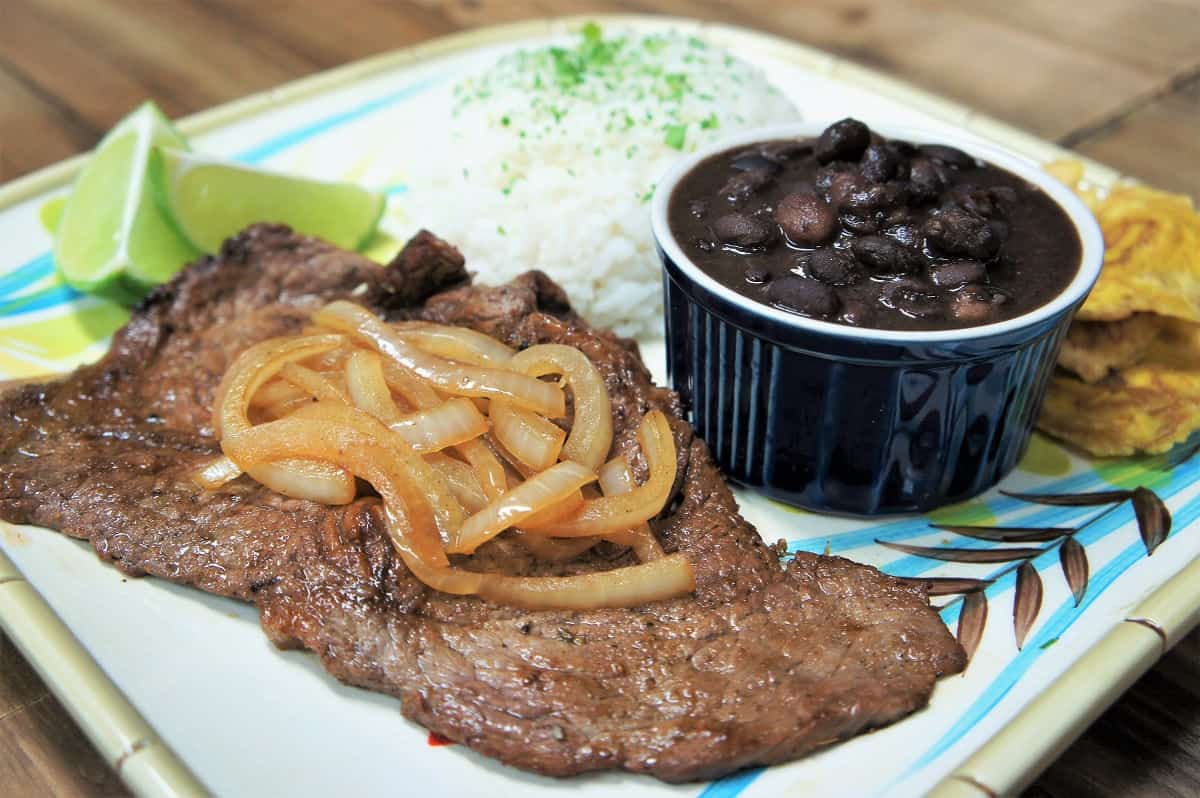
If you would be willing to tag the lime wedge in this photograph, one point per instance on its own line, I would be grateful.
(113, 238)
(210, 200)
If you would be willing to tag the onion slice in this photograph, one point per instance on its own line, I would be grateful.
(461, 480)
(530, 438)
(276, 392)
(250, 371)
(448, 513)
(215, 472)
(409, 514)
(455, 343)
(313, 383)
(452, 422)
(616, 479)
(455, 378)
(555, 550)
(488, 469)
(368, 390)
(536, 493)
(621, 587)
(592, 429)
(618, 513)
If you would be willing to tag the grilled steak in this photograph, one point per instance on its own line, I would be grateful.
(763, 664)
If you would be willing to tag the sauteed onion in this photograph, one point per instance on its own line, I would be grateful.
(427, 414)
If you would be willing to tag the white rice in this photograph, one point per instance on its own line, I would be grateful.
(551, 156)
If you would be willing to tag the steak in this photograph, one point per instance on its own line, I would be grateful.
(764, 663)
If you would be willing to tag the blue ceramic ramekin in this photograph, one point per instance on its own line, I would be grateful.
(859, 421)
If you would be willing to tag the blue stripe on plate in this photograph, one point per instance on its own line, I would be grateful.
(26, 275)
(1053, 628)
(732, 785)
(278, 144)
(49, 298)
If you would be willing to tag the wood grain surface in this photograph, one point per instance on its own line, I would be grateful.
(1118, 80)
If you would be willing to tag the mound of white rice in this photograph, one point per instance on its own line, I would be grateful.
(551, 156)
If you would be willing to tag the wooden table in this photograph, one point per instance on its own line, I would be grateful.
(1116, 79)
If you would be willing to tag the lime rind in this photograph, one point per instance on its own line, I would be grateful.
(118, 249)
(211, 199)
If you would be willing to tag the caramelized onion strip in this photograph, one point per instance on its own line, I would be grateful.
(455, 343)
(251, 370)
(557, 511)
(488, 469)
(461, 480)
(621, 587)
(452, 422)
(610, 514)
(543, 490)
(592, 430)
(275, 392)
(616, 479)
(316, 481)
(455, 378)
(313, 383)
(448, 512)
(409, 514)
(215, 472)
(368, 389)
(530, 438)
(553, 550)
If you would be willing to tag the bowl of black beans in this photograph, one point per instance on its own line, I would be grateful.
(863, 321)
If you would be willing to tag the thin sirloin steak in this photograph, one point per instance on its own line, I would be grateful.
(763, 664)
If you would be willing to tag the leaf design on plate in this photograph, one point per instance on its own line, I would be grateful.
(971, 620)
(1073, 499)
(964, 555)
(1027, 602)
(1073, 558)
(946, 585)
(1008, 534)
(1153, 518)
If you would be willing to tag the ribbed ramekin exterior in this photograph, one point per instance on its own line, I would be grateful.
(856, 428)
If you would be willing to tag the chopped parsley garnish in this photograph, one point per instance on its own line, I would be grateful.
(675, 136)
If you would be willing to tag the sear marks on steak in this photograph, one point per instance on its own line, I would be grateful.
(763, 664)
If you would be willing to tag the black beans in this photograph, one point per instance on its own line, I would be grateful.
(757, 274)
(913, 298)
(977, 200)
(950, 156)
(879, 163)
(806, 219)
(742, 231)
(855, 228)
(865, 198)
(830, 266)
(884, 255)
(754, 160)
(803, 295)
(957, 272)
(739, 187)
(907, 234)
(779, 151)
(974, 304)
(956, 231)
(843, 141)
(925, 180)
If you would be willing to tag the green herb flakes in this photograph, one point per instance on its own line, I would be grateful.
(675, 136)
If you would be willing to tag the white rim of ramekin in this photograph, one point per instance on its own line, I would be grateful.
(1090, 238)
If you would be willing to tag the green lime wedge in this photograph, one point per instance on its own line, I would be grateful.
(113, 238)
(210, 200)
